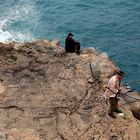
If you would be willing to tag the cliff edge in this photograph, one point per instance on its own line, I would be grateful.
(47, 94)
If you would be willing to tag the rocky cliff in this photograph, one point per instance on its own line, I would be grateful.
(47, 94)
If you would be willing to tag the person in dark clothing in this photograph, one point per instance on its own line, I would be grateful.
(72, 46)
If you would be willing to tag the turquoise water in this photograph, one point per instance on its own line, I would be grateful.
(109, 26)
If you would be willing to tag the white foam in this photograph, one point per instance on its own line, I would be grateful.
(23, 36)
(5, 36)
(20, 12)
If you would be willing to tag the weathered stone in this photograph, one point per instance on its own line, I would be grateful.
(48, 94)
(3, 136)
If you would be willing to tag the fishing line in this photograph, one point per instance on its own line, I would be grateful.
(132, 97)
(123, 52)
(134, 81)
(128, 63)
(105, 47)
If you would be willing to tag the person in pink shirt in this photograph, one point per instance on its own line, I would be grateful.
(112, 89)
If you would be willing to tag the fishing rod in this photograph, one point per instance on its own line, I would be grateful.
(128, 97)
(131, 97)
(127, 100)
(131, 82)
(127, 84)
(125, 94)
(119, 92)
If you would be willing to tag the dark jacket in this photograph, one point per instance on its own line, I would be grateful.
(70, 45)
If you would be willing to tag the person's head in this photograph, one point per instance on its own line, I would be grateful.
(120, 74)
(70, 35)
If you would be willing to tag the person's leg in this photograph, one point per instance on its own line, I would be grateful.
(70, 50)
(116, 107)
(112, 105)
(78, 48)
(112, 108)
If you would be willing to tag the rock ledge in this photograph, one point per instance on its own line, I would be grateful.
(46, 94)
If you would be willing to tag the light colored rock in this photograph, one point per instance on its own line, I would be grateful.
(55, 43)
(3, 136)
(47, 94)
(2, 88)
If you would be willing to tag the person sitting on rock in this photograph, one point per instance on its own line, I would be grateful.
(111, 92)
(72, 46)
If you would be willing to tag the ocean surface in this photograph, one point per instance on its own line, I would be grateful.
(111, 26)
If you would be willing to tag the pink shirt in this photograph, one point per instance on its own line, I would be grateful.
(113, 87)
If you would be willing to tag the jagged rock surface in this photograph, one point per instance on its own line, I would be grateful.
(46, 94)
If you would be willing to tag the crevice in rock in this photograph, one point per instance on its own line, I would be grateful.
(57, 129)
(12, 107)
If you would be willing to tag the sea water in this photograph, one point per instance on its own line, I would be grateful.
(111, 26)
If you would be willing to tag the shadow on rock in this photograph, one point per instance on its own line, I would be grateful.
(136, 113)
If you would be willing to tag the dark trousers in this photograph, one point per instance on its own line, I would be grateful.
(113, 104)
(77, 47)
(73, 49)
